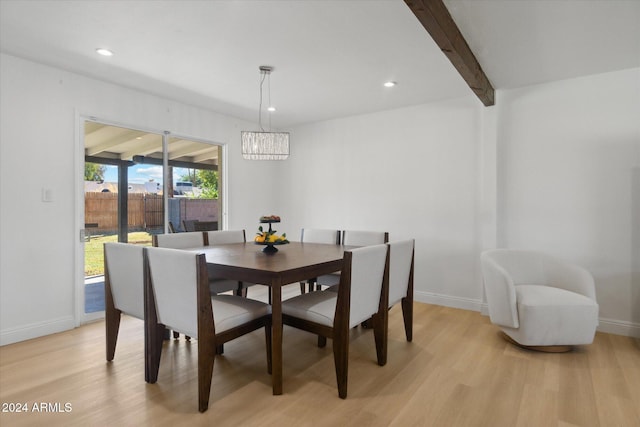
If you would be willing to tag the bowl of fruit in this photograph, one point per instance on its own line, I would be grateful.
(269, 238)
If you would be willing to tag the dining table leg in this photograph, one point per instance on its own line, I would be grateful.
(276, 335)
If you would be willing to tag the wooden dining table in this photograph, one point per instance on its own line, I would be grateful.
(292, 263)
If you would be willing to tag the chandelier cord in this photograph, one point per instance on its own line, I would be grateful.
(269, 100)
(264, 74)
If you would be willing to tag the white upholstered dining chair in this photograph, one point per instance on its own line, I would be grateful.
(123, 288)
(401, 264)
(177, 296)
(540, 302)
(222, 237)
(196, 239)
(190, 239)
(362, 294)
(352, 238)
(316, 235)
(364, 238)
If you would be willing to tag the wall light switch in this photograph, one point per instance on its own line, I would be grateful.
(47, 195)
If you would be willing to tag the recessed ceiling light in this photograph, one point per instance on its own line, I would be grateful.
(271, 109)
(389, 84)
(104, 52)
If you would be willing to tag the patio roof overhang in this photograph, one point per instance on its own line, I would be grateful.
(122, 147)
(113, 145)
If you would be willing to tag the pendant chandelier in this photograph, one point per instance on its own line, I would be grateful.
(265, 145)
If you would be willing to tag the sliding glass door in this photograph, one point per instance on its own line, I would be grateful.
(131, 193)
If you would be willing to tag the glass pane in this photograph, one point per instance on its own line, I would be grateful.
(123, 196)
(194, 203)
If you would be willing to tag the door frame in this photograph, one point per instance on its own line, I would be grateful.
(80, 317)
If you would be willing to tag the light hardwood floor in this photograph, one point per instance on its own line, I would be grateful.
(457, 372)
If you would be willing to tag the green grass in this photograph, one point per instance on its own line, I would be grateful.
(94, 252)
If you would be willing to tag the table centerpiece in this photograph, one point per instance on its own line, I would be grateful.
(269, 238)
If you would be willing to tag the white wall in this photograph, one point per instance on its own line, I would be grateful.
(569, 182)
(412, 172)
(554, 167)
(38, 112)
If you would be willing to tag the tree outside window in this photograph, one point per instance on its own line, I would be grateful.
(206, 180)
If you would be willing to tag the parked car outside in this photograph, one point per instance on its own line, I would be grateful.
(182, 188)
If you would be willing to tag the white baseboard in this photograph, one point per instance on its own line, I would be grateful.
(485, 309)
(610, 326)
(448, 301)
(35, 330)
(619, 327)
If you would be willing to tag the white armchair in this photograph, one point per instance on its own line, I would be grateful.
(539, 301)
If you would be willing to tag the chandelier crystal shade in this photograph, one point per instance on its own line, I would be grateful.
(263, 145)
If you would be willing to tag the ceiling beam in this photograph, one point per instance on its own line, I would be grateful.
(436, 19)
(107, 161)
(143, 149)
(174, 163)
(108, 143)
(209, 155)
(186, 150)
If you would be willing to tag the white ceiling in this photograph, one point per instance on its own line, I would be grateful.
(330, 56)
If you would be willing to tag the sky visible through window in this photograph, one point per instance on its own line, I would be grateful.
(140, 174)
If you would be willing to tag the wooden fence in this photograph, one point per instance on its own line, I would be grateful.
(145, 210)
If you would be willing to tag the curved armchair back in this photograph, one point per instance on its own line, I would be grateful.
(537, 268)
(524, 267)
(561, 274)
(500, 290)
